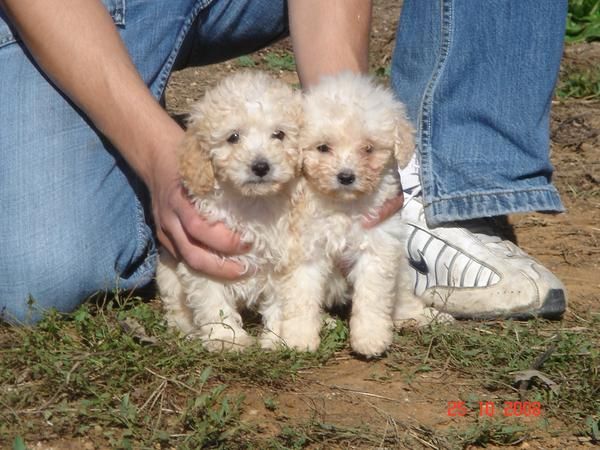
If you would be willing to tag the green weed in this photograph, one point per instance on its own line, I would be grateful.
(484, 432)
(583, 21)
(577, 83)
(246, 61)
(280, 61)
(383, 72)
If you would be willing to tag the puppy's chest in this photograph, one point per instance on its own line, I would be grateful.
(259, 223)
(342, 238)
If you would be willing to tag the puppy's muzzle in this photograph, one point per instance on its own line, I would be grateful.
(346, 177)
(260, 167)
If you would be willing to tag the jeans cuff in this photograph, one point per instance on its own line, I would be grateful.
(491, 204)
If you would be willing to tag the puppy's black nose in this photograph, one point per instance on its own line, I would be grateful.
(346, 177)
(260, 167)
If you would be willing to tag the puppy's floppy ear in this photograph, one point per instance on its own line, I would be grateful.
(404, 139)
(297, 114)
(195, 166)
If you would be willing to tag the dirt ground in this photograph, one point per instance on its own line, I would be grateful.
(350, 392)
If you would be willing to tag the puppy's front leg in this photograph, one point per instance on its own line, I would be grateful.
(375, 280)
(177, 313)
(303, 295)
(271, 310)
(216, 319)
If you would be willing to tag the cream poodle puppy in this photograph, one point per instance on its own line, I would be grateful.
(354, 137)
(240, 162)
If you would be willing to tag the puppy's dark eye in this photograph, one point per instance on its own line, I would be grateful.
(233, 138)
(278, 135)
(324, 148)
(368, 148)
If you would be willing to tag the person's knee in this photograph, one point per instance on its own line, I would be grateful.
(64, 274)
(42, 279)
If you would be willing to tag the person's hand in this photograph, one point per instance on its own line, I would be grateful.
(389, 208)
(183, 232)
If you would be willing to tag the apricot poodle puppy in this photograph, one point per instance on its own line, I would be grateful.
(240, 162)
(354, 137)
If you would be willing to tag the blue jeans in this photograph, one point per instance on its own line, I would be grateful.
(477, 77)
(74, 218)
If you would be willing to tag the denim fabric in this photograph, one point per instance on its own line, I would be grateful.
(73, 218)
(477, 78)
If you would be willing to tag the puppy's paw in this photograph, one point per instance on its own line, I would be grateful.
(223, 338)
(270, 341)
(304, 343)
(301, 334)
(422, 318)
(370, 337)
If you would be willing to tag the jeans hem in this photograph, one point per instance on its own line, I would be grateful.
(489, 204)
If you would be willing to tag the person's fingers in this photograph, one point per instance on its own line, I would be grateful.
(389, 208)
(214, 236)
(213, 265)
(166, 243)
(198, 258)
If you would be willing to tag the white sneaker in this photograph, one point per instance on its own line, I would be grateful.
(468, 271)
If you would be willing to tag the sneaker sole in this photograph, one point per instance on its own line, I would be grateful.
(553, 308)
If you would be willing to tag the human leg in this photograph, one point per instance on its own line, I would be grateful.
(72, 218)
(478, 81)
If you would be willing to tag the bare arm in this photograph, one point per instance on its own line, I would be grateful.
(329, 36)
(95, 71)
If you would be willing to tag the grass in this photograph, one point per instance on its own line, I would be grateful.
(246, 61)
(277, 61)
(86, 374)
(492, 353)
(113, 373)
(579, 84)
(271, 60)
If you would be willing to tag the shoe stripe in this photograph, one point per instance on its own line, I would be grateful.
(476, 283)
(489, 281)
(431, 239)
(495, 279)
(416, 282)
(451, 267)
(437, 260)
(422, 252)
(464, 273)
(409, 246)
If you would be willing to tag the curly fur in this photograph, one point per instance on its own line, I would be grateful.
(354, 137)
(247, 118)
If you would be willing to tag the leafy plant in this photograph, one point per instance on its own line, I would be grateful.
(583, 21)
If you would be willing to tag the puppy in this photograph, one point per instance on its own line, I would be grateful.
(239, 162)
(354, 137)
